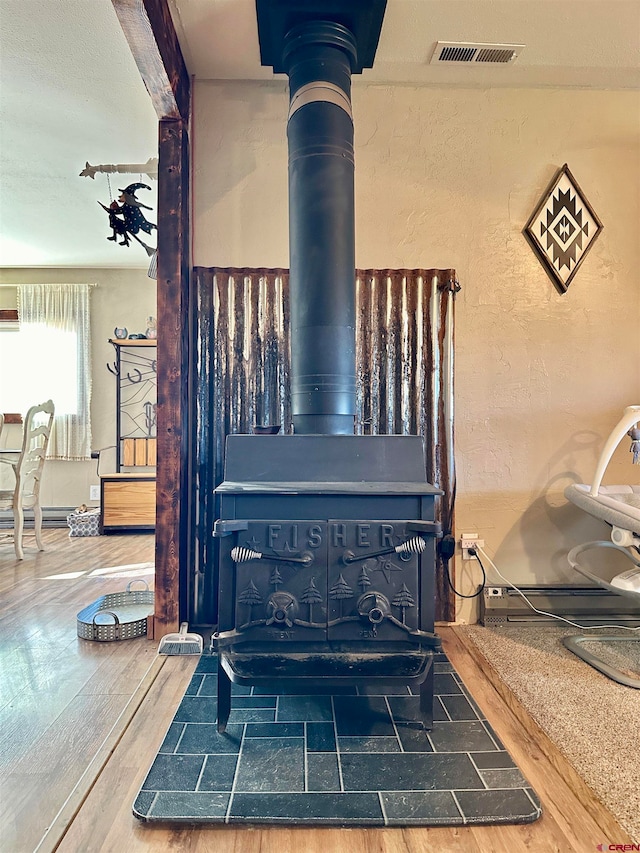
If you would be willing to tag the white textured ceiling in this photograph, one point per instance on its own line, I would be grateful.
(588, 43)
(71, 92)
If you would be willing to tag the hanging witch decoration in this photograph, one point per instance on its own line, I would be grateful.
(126, 217)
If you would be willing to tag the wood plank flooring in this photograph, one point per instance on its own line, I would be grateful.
(60, 697)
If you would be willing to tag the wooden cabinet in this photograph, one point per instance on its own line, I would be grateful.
(128, 502)
(128, 496)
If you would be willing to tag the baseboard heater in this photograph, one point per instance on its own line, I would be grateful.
(502, 605)
(52, 516)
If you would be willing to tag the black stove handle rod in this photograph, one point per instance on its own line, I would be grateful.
(425, 528)
(412, 546)
(243, 555)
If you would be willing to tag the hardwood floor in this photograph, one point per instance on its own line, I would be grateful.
(59, 696)
(70, 707)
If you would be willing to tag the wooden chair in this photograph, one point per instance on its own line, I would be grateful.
(28, 473)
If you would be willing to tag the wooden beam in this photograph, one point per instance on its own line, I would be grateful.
(149, 29)
(172, 508)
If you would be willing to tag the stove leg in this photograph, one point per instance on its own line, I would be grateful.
(426, 700)
(224, 697)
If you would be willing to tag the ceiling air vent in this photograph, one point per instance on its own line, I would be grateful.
(467, 52)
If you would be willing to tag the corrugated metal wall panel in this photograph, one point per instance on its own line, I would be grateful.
(404, 365)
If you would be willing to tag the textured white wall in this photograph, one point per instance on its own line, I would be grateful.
(123, 297)
(448, 178)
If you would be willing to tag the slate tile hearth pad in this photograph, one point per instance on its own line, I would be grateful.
(353, 758)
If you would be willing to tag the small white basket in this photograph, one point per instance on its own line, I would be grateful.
(84, 523)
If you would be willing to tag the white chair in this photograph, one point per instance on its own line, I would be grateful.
(28, 473)
(619, 507)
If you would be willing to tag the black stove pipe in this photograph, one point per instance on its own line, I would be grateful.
(319, 57)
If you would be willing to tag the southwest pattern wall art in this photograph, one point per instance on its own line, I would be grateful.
(562, 228)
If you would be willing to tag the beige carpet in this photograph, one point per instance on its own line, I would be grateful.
(593, 721)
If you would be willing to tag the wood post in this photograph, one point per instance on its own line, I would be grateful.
(149, 30)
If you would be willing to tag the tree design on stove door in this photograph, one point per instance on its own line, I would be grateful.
(340, 591)
(311, 596)
(404, 601)
(276, 578)
(364, 580)
(250, 596)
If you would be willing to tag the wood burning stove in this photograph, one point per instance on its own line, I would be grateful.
(327, 539)
(327, 554)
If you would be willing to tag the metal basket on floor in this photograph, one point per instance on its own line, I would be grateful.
(117, 616)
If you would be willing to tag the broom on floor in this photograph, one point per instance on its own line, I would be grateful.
(181, 643)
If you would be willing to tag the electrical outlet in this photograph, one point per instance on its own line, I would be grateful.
(94, 493)
(494, 591)
(469, 541)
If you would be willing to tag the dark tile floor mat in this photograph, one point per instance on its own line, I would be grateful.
(353, 758)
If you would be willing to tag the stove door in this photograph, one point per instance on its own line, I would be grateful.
(282, 594)
(373, 589)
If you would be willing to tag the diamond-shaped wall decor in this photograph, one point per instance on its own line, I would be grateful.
(562, 228)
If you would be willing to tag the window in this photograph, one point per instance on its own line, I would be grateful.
(8, 323)
(36, 365)
(49, 356)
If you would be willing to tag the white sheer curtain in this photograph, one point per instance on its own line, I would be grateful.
(56, 318)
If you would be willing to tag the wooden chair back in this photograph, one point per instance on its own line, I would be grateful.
(35, 439)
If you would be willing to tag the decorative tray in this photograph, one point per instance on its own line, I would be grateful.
(117, 616)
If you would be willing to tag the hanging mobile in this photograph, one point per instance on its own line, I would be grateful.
(126, 219)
